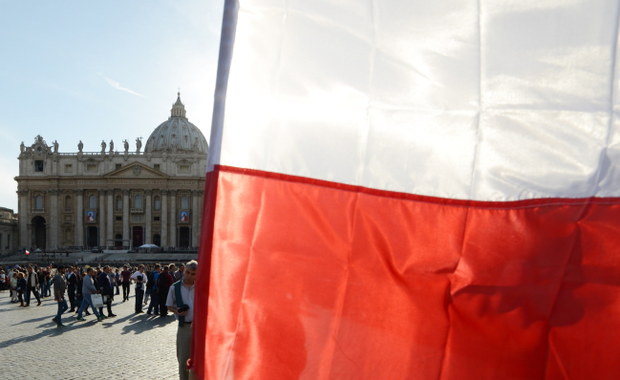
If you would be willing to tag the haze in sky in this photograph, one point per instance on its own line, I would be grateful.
(92, 71)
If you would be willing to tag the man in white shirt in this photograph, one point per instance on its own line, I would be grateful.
(139, 277)
(180, 301)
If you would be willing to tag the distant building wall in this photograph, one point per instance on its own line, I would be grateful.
(8, 231)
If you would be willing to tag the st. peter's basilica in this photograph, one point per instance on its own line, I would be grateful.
(120, 197)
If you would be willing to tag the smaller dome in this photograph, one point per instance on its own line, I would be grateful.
(177, 134)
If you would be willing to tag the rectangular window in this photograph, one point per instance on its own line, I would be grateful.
(68, 168)
(183, 168)
(118, 166)
(137, 201)
(119, 218)
(38, 202)
(156, 218)
(156, 166)
(38, 165)
(184, 203)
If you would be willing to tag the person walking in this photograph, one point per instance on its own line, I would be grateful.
(125, 279)
(21, 287)
(60, 285)
(104, 283)
(72, 281)
(180, 301)
(88, 289)
(32, 285)
(13, 283)
(117, 281)
(154, 276)
(164, 282)
(149, 285)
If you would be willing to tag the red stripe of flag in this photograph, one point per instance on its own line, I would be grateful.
(308, 280)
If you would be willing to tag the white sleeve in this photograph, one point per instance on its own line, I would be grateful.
(170, 300)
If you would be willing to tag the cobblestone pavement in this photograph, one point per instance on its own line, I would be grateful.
(128, 346)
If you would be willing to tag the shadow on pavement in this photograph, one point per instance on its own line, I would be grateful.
(140, 323)
(51, 332)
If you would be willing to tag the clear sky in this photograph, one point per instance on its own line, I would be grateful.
(101, 70)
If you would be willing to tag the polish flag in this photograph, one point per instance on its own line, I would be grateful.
(409, 189)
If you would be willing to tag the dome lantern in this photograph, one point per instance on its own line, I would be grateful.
(178, 109)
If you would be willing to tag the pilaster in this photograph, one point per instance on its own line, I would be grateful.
(79, 220)
(164, 218)
(53, 222)
(102, 218)
(126, 236)
(110, 218)
(173, 218)
(148, 217)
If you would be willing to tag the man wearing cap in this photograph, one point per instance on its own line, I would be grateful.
(180, 301)
(60, 284)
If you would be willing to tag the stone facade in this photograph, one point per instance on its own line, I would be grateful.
(8, 231)
(115, 199)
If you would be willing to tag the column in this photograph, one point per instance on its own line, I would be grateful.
(164, 218)
(195, 217)
(126, 236)
(148, 218)
(23, 208)
(79, 218)
(102, 218)
(53, 221)
(173, 218)
(110, 218)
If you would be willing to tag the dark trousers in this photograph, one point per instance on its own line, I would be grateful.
(71, 293)
(139, 298)
(108, 304)
(125, 291)
(62, 307)
(163, 294)
(78, 303)
(36, 295)
(154, 305)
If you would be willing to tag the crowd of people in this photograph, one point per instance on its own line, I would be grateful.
(164, 288)
(152, 283)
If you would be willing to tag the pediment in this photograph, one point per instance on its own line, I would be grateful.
(135, 170)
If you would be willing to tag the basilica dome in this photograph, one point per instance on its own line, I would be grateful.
(177, 134)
